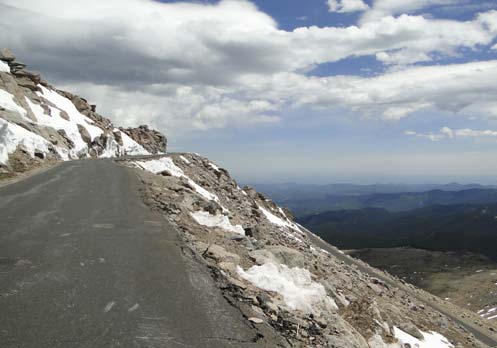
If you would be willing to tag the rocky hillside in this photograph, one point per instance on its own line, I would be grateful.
(40, 124)
(284, 280)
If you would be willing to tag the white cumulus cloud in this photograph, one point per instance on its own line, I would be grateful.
(194, 66)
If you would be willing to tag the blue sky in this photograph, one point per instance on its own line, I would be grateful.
(285, 90)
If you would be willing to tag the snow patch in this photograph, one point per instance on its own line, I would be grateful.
(222, 221)
(275, 219)
(66, 105)
(7, 102)
(488, 313)
(213, 166)
(282, 223)
(131, 147)
(299, 291)
(59, 123)
(430, 339)
(12, 135)
(167, 164)
(4, 67)
(183, 158)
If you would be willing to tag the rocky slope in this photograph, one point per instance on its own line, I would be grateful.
(40, 124)
(270, 268)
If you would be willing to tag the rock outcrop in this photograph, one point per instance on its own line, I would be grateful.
(40, 124)
(153, 141)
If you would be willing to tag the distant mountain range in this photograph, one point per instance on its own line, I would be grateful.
(471, 227)
(309, 199)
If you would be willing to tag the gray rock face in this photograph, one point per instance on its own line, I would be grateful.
(150, 139)
(84, 134)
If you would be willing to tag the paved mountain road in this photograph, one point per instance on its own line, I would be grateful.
(83, 263)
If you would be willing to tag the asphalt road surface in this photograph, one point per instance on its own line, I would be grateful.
(83, 263)
(475, 330)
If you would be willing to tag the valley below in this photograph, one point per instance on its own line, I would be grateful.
(466, 279)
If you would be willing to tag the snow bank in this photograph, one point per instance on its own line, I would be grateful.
(59, 123)
(430, 339)
(7, 102)
(157, 166)
(12, 135)
(294, 284)
(4, 67)
(131, 147)
(167, 164)
(66, 105)
(222, 221)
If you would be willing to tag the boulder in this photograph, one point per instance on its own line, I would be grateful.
(411, 330)
(84, 134)
(261, 256)
(219, 254)
(118, 138)
(7, 55)
(287, 256)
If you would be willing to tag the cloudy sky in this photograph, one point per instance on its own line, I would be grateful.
(280, 90)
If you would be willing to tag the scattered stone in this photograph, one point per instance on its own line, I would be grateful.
(256, 320)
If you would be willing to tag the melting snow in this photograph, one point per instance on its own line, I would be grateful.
(131, 147)
(430, 339)
(4, 67)
(66, 105)
(184, 159)
(275, 219)
(167, 164)
(294, 284)
(59, 123)
(222, 221)
(7, 102)
(213, 166)
(12, 135)
(282, 223)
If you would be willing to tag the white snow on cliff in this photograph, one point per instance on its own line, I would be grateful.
(219, 220)
(7, 102)
(299, 291)
(57, 122)
(4, 67)
(54, 119)
(75, 116)
(12, 136)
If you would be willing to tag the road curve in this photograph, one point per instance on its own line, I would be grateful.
(479, 334)
(83, 263)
